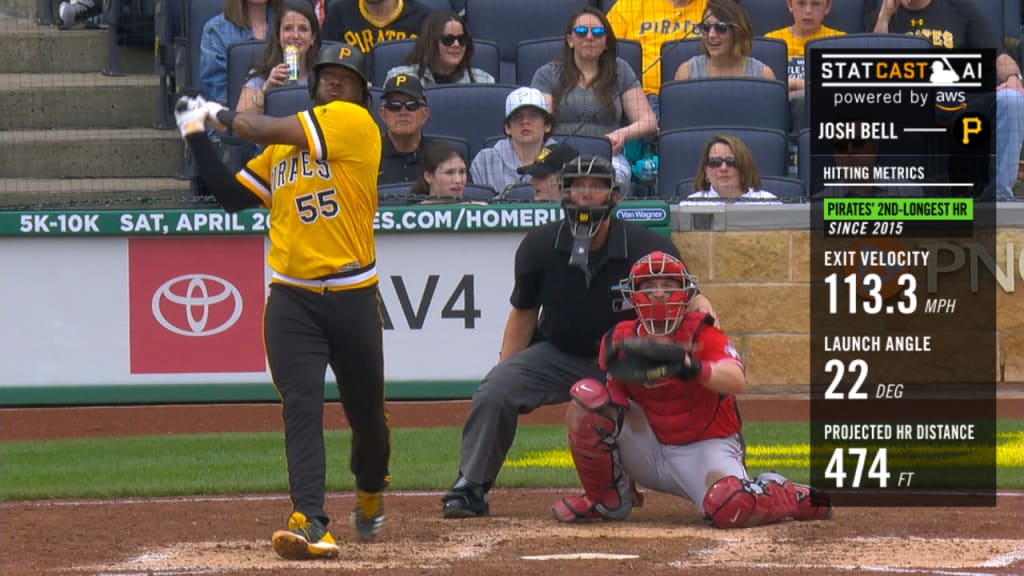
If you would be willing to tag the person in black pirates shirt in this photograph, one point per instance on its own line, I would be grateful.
(571, 270)
(404, 111)
(364, 23)
(953, 24)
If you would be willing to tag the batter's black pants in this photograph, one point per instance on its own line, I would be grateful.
(304, 332)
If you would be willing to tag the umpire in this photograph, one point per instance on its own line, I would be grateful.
(544, 353)
(318, 177)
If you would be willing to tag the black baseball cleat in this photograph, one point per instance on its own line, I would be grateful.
(465, 502)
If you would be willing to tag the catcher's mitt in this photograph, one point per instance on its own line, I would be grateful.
(644, 360)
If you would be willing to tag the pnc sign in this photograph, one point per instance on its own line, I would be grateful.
(196, 305)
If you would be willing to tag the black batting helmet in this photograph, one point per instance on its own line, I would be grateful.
(341, 55)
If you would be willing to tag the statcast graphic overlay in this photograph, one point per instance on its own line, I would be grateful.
(903, 284)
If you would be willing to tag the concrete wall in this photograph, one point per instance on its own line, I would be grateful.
(756, 271)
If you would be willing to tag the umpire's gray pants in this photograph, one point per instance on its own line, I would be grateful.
(539, 375)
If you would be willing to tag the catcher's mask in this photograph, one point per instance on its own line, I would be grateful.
(585, 219)
(350, 57)
(659, 288)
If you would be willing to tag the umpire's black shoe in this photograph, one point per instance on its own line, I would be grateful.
(465, 500)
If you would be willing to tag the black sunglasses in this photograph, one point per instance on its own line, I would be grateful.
(717, 161)
(449, 39)
(595, 31)
(846, 145)
(396, 105)
(720, 27)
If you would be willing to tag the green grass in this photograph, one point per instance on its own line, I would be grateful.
(423, 459)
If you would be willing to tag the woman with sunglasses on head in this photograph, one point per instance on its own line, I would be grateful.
(727, 39)
(295, 25)
(443, 53)
(589, 89)
(727, 172)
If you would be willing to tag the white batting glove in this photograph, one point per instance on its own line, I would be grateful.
(211, 109)
(190, 116)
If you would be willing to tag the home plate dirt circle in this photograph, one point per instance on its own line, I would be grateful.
(664, 537)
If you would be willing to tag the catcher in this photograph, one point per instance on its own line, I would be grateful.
(667, 418)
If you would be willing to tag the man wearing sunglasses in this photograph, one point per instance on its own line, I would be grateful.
(363, 23)
(404, 111)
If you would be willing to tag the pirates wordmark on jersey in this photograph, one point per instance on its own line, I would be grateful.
(322, 199)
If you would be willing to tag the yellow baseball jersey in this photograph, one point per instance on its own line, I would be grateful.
(795, 46)
(652, 23)
(322, 199)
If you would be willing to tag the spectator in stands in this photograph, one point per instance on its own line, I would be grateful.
(294, 25)
(545, 170)
(75, 11)
(404, 111)
(443, 53)
(652, 23)
(589, 89)
(363, 23)
(855, 160)
(953, 24)
(528, 124)
(240, 20)
(443, 178)
(808, 16)
(727, 39)
(728, 172)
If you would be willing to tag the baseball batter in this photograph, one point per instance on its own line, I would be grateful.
(667, 419)
(318, 177)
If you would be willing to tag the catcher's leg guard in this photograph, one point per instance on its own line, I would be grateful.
(811, 502)
(735, 503)
(593, 424)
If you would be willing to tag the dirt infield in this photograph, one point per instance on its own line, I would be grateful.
(230, 535)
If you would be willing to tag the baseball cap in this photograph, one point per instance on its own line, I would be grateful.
(406, 84)
(525, 97)
(549, 160)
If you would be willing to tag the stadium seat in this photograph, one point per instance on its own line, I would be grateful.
(387, 55)
(505, 22)
(199, 12)
(803, 162)
(394, 194)
(479, 192)
(536, 52)
(587, 145)
(470, 111)
(520, 192)
(287, 100)
(459, 143)
(848, 16)
(768, 50)
(786, 189)
(686, 147)
(376, 96)
(724, 102)
(242, 56)
(768, 16)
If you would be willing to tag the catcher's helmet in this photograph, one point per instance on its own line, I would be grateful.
(659, 306)
(341, 55)
(590, 216)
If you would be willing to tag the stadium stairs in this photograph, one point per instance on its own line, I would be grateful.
(71, 136)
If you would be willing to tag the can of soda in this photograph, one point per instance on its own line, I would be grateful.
(291, 58)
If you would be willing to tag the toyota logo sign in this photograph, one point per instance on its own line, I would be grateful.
(197, 294)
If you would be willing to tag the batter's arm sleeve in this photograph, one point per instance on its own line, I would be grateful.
(221, 183)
